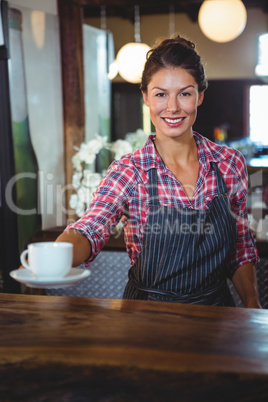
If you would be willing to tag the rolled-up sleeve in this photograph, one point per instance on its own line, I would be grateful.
(245, 250)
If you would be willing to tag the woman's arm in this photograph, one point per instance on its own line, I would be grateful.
(81, 245)
(245, 282)
(245, 255)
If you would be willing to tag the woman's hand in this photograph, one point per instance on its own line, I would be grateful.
(253, 303)
(245, 283)
(81, 245)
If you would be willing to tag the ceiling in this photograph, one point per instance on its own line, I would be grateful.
(125, 8)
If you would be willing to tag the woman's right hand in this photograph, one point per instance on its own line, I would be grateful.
(81, 245)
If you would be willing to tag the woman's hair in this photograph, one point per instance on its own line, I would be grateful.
(174, 52)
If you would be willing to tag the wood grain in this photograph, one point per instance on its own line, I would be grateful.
(92, 349)
(71, 39)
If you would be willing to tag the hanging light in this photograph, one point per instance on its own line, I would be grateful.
(132, 56)
(113, 70)
(222, 20)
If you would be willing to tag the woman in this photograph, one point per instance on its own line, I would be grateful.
(182, 198)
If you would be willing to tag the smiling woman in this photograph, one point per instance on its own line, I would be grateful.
(165, 190)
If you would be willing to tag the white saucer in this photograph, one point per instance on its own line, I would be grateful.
(29, 279)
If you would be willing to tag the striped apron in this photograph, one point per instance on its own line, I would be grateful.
(185, 251)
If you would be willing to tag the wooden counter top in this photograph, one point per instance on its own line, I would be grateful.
(55, 348)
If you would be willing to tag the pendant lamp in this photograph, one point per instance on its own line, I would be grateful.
(222, 20)
(113, 70)
(132, 56)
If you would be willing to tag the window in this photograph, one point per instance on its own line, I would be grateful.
(258, 117)
(262, 66)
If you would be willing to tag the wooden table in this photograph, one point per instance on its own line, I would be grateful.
(79, 349)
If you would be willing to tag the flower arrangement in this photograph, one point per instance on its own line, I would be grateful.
(85, 180)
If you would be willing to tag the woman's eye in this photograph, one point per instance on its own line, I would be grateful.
(185, 94)
(160, 94)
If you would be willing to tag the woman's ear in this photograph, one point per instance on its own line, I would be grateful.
(200, 98)
(145, 98)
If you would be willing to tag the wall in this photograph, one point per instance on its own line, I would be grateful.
(233, 60)
(44, 90)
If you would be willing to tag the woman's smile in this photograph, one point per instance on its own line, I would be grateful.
(173, 122)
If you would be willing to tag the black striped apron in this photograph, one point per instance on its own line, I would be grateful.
(185, 251)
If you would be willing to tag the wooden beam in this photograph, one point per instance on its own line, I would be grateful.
(71, 20)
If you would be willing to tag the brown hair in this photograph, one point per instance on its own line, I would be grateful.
(174, 52)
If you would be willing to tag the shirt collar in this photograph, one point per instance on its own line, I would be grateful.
(147, 158)
(209, 151)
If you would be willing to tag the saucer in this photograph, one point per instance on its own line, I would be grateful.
(26, 277)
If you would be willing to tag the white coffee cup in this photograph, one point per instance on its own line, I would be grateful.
(48, 260)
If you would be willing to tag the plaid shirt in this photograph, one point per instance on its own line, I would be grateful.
(123, 194)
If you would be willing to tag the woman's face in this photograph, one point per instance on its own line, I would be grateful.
(172, 97)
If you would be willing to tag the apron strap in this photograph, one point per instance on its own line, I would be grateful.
(222, 188)
(153, 190)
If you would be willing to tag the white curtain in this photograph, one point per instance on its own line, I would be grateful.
(98, 54)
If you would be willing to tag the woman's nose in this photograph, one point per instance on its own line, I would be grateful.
(173, 104)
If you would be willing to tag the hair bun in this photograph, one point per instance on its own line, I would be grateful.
(174, 52)
(185, 42)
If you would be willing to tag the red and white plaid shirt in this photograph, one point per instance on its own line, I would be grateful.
(123, 194)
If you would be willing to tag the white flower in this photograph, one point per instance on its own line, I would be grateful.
(85, 194)
(137, 139)
(80, 209)
(82, 194)
(88, 151)
(89, 195)
(76, 179)
(77, 203)
(76, 161)
(102, 141)
(91, 179)
(73, 201)
(121, 147)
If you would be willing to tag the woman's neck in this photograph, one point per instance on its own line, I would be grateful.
(180, 152)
